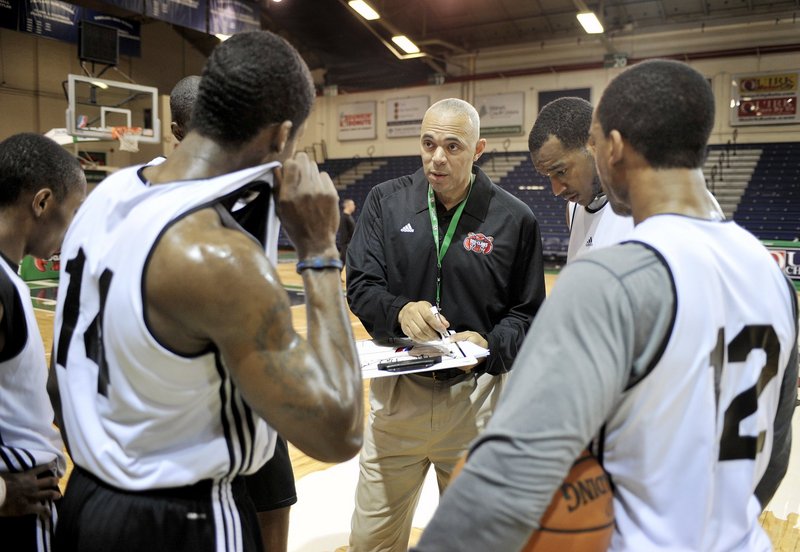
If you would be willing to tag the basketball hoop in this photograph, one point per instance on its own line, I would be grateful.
(128, 137)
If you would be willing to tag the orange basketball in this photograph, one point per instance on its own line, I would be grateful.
(580, 517)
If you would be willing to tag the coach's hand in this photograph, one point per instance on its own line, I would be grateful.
(420, 324)
(472, 337)
(308, 206)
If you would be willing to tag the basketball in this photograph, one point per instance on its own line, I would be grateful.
(580, 517)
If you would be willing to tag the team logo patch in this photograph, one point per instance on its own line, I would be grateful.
(479, 243)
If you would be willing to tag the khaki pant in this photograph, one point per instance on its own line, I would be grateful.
(415, 421)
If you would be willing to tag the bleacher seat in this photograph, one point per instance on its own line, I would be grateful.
(769, 207)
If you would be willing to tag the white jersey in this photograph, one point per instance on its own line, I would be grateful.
(712, 394)
(138, 415)
(27, 435)
(592, 229)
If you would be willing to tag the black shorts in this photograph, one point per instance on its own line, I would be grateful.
(25, 534)
(28, 533)
(96, 517)
(272, 486)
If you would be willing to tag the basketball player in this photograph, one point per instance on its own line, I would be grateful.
(272, 487)
(181, 103)
(559, 148)
(174, 334)
(41, 187)
(679, 361)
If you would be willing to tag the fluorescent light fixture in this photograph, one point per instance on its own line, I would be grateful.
(405, 44)
(222, 37)
(99, 84)
(364, 10)
(590, 23)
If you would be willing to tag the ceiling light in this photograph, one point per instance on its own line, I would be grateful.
(100, 84)
(405, 44)
(590, 23)
(222, 37)
(364, 10)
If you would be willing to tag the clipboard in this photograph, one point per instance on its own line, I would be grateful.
(396, 356)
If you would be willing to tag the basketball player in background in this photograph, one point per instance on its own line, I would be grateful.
(272, 487)
(174, 338)
(347, 226)
(181, 103)
(41, 187)
(685, 373)
(558, 143)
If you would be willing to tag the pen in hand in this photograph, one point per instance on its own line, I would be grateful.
(444, 335)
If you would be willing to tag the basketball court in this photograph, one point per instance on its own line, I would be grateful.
(320, 521)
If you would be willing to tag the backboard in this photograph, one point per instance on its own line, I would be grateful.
(97, 106)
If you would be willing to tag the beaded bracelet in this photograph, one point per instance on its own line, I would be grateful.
(318, 263)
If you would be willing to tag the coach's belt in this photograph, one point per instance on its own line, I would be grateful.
(443, 375)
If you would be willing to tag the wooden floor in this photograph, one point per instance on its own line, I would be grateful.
(785, 534)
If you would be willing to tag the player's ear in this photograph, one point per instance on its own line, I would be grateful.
(177, 131)
(617, 147)
(281, 136)
(41, 201)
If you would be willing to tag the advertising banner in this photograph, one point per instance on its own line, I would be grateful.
(39, 269)
(547, 96)
(787, 255)
(357, 121)
(404, 116)
(764, 98)
(501, 114)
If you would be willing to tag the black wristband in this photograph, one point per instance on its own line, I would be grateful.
(319, 263)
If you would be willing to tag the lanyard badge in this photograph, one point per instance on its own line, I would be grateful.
(448, 237)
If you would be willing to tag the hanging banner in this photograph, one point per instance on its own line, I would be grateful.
(764, 98)
(404, 116)
(61, 21)
(233, 16)
(186, 13)
(135, 6)
(50, 19)
(357, 121)
(501, 114)
(9, 14)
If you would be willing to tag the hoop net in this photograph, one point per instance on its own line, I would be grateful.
(128, 137)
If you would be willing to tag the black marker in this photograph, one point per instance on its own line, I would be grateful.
(412, 364)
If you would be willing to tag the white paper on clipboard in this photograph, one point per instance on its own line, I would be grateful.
(454, 355)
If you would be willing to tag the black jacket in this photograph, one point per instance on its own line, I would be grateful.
(492, 274)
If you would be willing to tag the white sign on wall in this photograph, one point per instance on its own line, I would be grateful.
(765, 98)
(501, 114)
(357, 121)
(404, 116)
